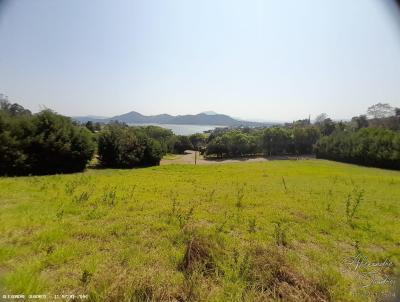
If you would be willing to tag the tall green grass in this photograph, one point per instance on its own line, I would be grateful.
(232, 232)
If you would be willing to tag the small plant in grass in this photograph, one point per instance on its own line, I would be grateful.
(109, 196)
(357, 249)
(174, 209)
(353, 202)
(71, 186)
(84, 196)
(329, 205)
(143, 293)
(220, 228)
(50, 250)
(280, 234)
(184, 218)
(44, 186)
(191, 287)
(211, 195)
(60, 214)
(174, 206)
(284, 184)
(239, 196)
(86, 276)
(244, 265)
(130, 193)
(252, 225)
(235, 256)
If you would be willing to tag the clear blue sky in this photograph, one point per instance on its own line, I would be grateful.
(271, 60)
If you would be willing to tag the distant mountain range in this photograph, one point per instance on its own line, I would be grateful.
(204, 118)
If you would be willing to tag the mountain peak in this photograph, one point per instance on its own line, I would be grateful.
(204, 118)
(209, 112)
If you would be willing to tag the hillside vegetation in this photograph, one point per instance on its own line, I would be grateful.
(271, 231)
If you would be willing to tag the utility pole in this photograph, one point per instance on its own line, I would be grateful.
(195, 157)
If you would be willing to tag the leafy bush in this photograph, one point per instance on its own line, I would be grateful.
(120, 146)
(44, 143)
(163, 136)
(276, 141)
(304, 139)
(181, 144)
(217, 146)
(198, 141)
(153, 152)
(58, 146)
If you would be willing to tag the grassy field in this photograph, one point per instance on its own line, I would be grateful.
(270, 231)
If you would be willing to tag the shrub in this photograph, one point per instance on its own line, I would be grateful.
(44, 143)
(217, 146)
(305, 138)
(161, 135)
(198, 141)
(275, 141)
(153, 152)
(182, 143)
(120, 146)
(58, 146)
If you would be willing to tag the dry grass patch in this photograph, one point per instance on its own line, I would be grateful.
(200, 256)
(269, 274)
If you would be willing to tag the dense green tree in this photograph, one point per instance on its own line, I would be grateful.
(44, 143)
(198, 140)
(217, 146)
(182, 143)
(327, 126)
(162, 135)
(380, 110)
(304, 139)
(153, 152)
(12, 109)
(275, 141)
(59, 146)
(93, 127)
(360, 122)
(121, 146)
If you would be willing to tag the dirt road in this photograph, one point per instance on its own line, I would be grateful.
(189, 159)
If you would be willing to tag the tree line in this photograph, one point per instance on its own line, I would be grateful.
(376, 147)
(49, 143)
(371, 139)
(268, 142)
